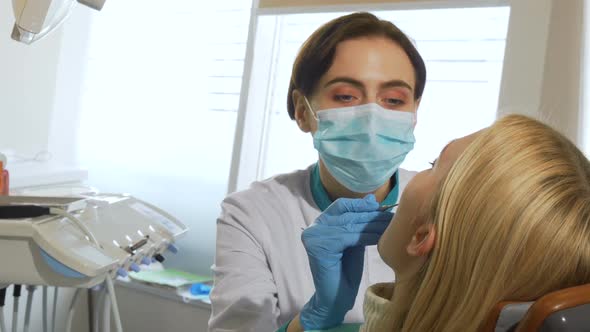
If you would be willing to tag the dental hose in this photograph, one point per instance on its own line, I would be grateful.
(114, 305)
(2, 301)
(71, 311)
(30, 292)
(45, 325)
(100, 304)
(108, 280)
(16, 294)
(55, 296)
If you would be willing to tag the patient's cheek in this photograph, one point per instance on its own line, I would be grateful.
(411, 198)
(418, 191)
(393, 243)
(394, 239)
(385, 249)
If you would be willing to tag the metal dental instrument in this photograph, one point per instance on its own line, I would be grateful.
(387, 207)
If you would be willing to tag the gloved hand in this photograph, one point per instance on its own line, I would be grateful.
(335, 245)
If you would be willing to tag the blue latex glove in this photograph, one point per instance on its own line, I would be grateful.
(335, 245)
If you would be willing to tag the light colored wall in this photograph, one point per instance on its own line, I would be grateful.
(28, 76)
(73, 57)
(27, 87)
(543, 63)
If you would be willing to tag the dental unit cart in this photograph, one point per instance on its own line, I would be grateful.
(81, 242)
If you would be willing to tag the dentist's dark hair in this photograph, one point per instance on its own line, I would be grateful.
(317, 53)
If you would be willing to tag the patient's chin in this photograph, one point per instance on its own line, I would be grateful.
(385, 255)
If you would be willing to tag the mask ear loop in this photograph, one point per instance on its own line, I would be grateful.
(315, 116)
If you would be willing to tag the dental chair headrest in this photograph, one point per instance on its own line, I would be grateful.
(566, 310)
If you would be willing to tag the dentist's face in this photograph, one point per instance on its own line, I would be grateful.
(413, 206)
(365, 70)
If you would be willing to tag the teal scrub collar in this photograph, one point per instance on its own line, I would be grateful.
(322, 200)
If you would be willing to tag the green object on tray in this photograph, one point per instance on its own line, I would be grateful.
(168, 277)
(341, 328)
(349, 327)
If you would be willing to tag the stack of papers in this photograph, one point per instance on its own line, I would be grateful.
(178, 280)
(168, 277)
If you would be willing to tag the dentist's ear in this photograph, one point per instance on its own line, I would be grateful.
(423, 240)
(302, 114)
(416, 115)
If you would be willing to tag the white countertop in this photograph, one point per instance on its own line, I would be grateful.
(40, 173)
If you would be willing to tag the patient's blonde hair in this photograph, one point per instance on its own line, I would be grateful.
(513, 223)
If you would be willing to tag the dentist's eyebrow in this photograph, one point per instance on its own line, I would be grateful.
(358, 84)
(396, 84)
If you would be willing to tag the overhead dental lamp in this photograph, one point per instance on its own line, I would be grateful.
(34, 19)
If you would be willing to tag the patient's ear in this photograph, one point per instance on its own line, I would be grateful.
(423, 240)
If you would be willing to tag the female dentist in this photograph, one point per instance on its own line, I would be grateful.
(356, 85)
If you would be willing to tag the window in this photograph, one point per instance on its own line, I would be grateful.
(159, 102)
(159, 105)
(463, 49)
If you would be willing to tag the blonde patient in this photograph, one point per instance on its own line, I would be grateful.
(504, 214)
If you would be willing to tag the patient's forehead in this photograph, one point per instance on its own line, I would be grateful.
(454, 149)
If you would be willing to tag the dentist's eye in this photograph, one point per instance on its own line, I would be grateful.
(344, 98)
(394, 98)
(394, 102)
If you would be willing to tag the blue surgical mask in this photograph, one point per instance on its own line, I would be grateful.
(363, 146)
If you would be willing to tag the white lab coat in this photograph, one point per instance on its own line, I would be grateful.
(262, 274)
